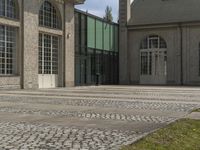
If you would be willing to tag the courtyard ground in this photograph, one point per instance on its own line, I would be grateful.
(89, 118)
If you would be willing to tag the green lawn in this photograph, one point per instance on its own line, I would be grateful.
(197, 110)
(181, 135)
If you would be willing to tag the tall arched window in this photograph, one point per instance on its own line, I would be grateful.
(49, 16)
(153, 56)
(49, 46)
(8, 8)
(152, 42)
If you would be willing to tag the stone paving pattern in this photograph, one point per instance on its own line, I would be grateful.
(89, 118)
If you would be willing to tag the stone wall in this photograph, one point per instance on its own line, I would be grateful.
(69, 45)
(191, 50)
(124, 16)
(172, 35)
(10, 82)
(30, 43)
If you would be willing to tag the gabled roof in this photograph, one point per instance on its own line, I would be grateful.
(164, 11)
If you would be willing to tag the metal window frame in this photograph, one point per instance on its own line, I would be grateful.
(43, 70)
(48, 21)
(94, 53)
(6, 58)
(149, 50)
(6, 11)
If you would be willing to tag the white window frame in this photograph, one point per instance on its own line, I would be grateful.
(6, 10)
(54, 15)
(53, 64)
(13, 58)
(149, 50)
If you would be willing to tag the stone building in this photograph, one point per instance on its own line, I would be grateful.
(159, 42)
(37, 43)
(47, 44)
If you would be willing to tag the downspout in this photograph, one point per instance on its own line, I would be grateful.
(64, 47)
(22, 45)
(181, 53)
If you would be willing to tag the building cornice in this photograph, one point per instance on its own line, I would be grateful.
(163, 25)
(10, 22)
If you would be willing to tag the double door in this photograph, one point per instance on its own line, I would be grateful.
(48, 61)
(159, 67)
(154, 66)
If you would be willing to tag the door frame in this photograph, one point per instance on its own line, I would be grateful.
(50, 76)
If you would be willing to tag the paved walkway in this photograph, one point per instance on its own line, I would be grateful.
(89, 118)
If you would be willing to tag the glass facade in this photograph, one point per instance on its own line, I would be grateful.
(96, 50)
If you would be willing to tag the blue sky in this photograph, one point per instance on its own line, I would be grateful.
(97, 7)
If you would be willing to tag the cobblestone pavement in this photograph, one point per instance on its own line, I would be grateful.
(89, 118)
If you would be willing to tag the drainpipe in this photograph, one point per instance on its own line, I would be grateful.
(181, 52)
(21, 31)
(64, 47)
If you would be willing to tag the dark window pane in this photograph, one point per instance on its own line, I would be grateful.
(49, 16)
(48, 54)
(8, 8)
(7, 49)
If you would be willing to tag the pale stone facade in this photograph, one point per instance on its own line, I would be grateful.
(28, 29)
(177, 22)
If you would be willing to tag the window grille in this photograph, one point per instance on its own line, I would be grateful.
(153, 42)
(149, 48)
(49, 16)
(48, 54)
(8, 8)
(7, 50)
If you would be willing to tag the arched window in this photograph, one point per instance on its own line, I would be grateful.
(153, 41)
(153, 56)
(8, 8)
(49, 16)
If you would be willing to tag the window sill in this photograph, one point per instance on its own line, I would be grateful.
(11, 19)
(9, 76)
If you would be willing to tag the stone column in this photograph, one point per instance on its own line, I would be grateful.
(124, 16)
(69, 45)
(30, 44)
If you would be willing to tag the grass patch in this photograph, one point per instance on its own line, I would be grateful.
(181, 135)
(196, 110)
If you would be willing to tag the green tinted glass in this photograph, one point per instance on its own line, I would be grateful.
(112, 38)
(116, 39)
(99, 35)
(91, 32)
(106, 36)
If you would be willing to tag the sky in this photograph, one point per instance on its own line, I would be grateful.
(97, 7)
